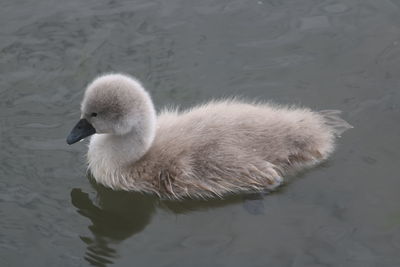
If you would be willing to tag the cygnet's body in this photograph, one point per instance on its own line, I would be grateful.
(211, 150)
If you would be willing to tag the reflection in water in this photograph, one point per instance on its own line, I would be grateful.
(253, 203)
(117, 215)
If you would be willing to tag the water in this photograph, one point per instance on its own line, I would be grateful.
(323, 54)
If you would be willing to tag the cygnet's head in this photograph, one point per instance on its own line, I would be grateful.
(115, 104)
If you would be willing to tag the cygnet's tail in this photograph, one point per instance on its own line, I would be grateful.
(333, 120)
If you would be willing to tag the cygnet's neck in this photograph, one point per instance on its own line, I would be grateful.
(110, 152)
(131, 146)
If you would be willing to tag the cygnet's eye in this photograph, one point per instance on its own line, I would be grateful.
(94, 114)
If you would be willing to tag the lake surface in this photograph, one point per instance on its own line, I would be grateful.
(322, 54)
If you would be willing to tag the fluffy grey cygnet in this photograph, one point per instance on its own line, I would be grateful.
(214, 149)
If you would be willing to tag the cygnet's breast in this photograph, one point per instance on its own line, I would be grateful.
(103, 161)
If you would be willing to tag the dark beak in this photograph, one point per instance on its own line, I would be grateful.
(81, 130)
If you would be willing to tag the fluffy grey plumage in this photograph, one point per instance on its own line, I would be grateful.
(210, 150)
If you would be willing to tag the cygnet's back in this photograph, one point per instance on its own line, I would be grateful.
(214, 149)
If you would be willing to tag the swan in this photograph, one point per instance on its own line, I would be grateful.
(211, 150)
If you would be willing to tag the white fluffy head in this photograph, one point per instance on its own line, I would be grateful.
(118, 104)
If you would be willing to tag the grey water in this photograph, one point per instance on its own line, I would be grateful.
(324, 54)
